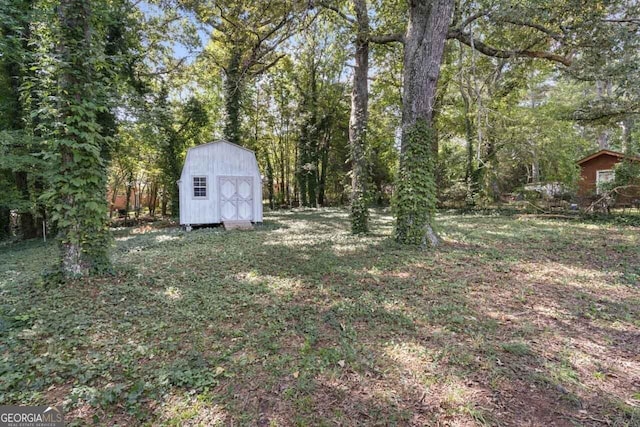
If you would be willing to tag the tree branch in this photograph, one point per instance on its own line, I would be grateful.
(623, 20)
(541, 28)
(500, 53)
(387, 38)
(473, 18)
(604, 201)
(265, 67)
(336, 11)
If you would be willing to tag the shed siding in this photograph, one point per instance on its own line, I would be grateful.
(214, 160)
(589, 169)
(588, 176)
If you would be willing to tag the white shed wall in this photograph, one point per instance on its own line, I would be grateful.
(220, 158)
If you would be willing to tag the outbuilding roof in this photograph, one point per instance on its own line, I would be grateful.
(219, 141)
(607, 152)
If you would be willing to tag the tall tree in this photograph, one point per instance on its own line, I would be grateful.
(21, 170)
(177, 130)
(245, 41)
(358, 120)
(78, 185)
(415, 198)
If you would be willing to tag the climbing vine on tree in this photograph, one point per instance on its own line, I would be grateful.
(76, 195)
(414, 201)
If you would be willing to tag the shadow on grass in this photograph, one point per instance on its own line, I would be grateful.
(297, 322)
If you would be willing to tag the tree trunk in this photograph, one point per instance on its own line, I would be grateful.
(282, 197)
(40, 209)
(128, 192)
(296, 178)
(324, 165)
(311, 139)
(308, 142)
(287, 175)
(270, 186)
(26, 219)
(153, 199)
(358, 122)
(114, 195)
(312, 186)
(485, 176)
(80, 209)
(628, 126)
(415, 198)
(468, 128)
(137, 197)
(15, 113)
(535, 171)
(603, 91)
(164, 202)
(233, 98)
(5, 222)
(176, 169)
(301, 176)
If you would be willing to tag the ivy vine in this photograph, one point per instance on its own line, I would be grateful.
(414, 200)
(359, 213)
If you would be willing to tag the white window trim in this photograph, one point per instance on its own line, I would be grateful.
(206, 187)
(598, 182)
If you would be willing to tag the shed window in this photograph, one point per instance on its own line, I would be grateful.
(603, 177)
(200, 187)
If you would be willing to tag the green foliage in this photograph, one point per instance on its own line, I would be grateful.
(627, 172)
(336, 307)
(77, 182)
(517, 348)
(626, 182)
(234, 89)
(244, 43)
(178, 126)
(19, 153)
(359, 213)
(414, 200)
(383, 121)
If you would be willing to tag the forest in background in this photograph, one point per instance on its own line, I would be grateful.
(104, 98)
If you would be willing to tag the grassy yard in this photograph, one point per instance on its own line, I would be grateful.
(514, 321)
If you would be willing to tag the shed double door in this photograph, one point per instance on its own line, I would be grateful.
(236, 198)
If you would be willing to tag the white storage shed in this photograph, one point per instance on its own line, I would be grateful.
(220, 182)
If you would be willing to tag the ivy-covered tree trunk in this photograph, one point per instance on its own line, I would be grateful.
(270, 184)
(5, 221)
(79, 185)
(415, 196)
(233, 97)
(301, 176)
(282, 197)
(358, 122)
(27, 220)
(324, 166)
(128, 192)
(308, 140)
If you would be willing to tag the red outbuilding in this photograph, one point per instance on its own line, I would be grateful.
(597, 169)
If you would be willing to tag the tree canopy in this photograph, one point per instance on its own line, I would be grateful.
(345, 102)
